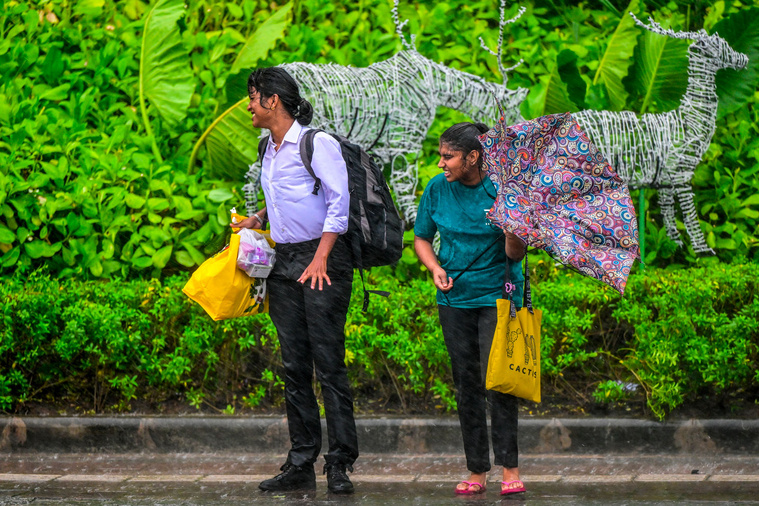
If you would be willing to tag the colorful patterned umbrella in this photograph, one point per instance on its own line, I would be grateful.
(557, 193)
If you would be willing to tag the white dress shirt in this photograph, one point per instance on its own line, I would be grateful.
(295, 213)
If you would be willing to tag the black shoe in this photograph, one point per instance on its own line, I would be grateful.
(337, 478)
(291, 478)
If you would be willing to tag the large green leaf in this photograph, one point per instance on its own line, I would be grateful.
(263, 39)
(566, 66)
(549, 96)
(617, 59)
(735, 88)
(231, 143)
(166, 78)
(660, 71)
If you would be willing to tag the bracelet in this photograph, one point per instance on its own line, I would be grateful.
(258, 218)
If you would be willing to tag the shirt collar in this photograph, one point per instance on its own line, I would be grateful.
(293, 134)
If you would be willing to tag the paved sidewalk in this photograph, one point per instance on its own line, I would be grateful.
(221, 478)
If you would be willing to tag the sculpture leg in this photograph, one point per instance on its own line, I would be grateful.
(404, 177)
(667, 205)
(690, 218)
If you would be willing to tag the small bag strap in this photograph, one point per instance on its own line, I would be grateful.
(495, 241)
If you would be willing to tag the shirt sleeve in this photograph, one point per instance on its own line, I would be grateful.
(425, 226)
(329, 167)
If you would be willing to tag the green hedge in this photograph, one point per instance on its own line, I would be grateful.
(676, 337)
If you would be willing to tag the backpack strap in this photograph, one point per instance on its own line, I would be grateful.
(355, 245)
(262, 151)
(307, 154)
(262, 144)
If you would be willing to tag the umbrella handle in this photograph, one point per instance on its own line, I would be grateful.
(527, 301)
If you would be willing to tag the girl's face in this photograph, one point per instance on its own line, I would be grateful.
(457, 166)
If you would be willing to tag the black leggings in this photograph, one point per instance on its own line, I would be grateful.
(468, 334)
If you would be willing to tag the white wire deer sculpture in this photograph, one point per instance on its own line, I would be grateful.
(662, 150)
(388, 107)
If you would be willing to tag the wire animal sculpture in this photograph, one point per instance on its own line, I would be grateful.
(662, 150)
(388, 107)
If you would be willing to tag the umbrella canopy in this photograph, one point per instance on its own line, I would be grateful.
(558, 193)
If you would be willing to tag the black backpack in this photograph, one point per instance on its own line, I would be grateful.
(375, 229)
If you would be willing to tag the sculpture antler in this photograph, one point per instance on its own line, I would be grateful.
(499, 54)
(411, 46)
(655, 27)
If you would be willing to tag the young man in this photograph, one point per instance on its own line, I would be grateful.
(310, 285)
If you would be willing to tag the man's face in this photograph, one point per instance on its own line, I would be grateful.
(261, 114)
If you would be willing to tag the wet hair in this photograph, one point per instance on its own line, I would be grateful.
(463, 137)
(271, 81)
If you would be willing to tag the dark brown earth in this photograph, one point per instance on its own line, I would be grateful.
(553, 405)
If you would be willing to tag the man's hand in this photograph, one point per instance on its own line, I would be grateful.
(250, 222)
(316, 271)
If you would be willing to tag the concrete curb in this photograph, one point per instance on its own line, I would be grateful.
(376, 435)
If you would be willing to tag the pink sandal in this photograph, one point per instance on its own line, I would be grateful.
(516, 490)
(468, 490)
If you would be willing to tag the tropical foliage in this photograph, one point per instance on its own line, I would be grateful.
(115, 116)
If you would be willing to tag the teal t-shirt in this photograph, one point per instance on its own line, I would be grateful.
(458, 212)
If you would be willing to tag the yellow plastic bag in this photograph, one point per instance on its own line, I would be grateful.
(514, 363)
(225, 291)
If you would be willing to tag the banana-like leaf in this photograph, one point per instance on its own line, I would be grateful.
(736, 87)
(166, 78)
(236, 87)
(549, 96)
(617, 59)
(661, 75)
(231, 143)
(566, 65)
(263, 39)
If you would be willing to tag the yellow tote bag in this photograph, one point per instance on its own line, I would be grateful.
(225, 291)
(514, 362)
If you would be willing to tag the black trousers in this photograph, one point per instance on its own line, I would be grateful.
(311, 330)
(468, 334)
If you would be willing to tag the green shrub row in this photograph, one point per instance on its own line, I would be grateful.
(674, 338)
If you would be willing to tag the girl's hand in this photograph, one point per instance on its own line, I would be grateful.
(442, 281)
